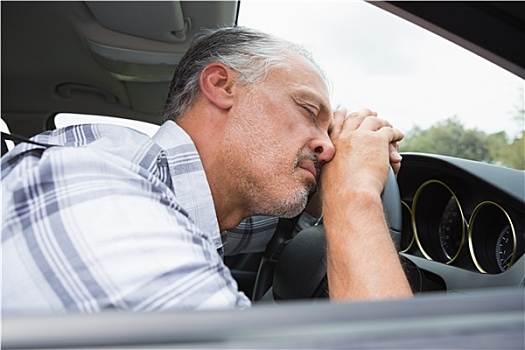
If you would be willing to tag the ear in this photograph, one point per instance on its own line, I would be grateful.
(216, 82)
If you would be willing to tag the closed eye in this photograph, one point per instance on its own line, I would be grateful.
(311, 114)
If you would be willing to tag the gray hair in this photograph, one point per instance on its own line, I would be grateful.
(249, 52)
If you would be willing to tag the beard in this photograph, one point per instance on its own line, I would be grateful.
(287, 196)
(292, 205)
(297, 201)
(308, 156)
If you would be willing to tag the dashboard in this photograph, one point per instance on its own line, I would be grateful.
(463, 223)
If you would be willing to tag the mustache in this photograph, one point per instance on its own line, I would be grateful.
(308, 156)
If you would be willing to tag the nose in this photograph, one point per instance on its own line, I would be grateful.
(323, 148)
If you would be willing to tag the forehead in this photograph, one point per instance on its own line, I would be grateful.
(306, 72)
(301, 78)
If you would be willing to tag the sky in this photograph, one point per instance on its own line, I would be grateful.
(407, 74)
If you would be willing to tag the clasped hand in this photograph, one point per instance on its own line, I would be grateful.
(365, 147)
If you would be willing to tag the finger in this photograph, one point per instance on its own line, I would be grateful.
(395, 157)
(353, 120)
(374, 123)
(397, 136)
(337, 123)
(366, 112)
(396, 167)
(383, 126)
(393, 149)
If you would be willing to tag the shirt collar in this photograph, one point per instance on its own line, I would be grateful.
(189, 179)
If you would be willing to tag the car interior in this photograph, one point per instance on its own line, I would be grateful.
(459, 224)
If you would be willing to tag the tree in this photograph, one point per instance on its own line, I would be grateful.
(498, 145)
(449, 138)
(516, 155)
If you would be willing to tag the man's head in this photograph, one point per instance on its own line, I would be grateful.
(251, 53)
(257, 108)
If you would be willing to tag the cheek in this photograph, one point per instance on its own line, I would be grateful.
(284, 145)
(270, 136)
(274, 153)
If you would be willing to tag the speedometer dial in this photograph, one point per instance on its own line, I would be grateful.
(504, 249)
(438, 222)
(450, 229)
(492, 238)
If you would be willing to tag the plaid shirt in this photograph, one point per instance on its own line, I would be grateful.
(253, 234)
(111, 219)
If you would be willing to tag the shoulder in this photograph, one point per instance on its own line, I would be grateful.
(99, 157)
(108, 138)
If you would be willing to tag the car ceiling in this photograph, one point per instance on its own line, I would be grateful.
(106, 58)
(96, 57)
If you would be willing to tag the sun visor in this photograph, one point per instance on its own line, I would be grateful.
(122, 40)
(135, 18)
(135, 65)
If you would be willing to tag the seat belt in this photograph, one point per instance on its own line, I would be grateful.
(283, 233)
(20, 139)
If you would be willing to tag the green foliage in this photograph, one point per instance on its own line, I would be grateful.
(451, 138)
(516, 153)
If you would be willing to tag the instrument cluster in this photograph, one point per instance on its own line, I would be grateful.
(458, 220)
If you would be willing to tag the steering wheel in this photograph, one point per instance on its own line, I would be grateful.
(297, 267)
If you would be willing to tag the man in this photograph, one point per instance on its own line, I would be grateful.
(99, 217)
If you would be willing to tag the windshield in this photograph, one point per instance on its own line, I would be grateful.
(446, 99)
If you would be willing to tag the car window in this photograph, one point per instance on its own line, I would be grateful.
(446, 99)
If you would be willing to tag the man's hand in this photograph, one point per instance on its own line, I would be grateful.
(362, 262)
(365, 146)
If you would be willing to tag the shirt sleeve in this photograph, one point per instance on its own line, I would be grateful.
(114, 241)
